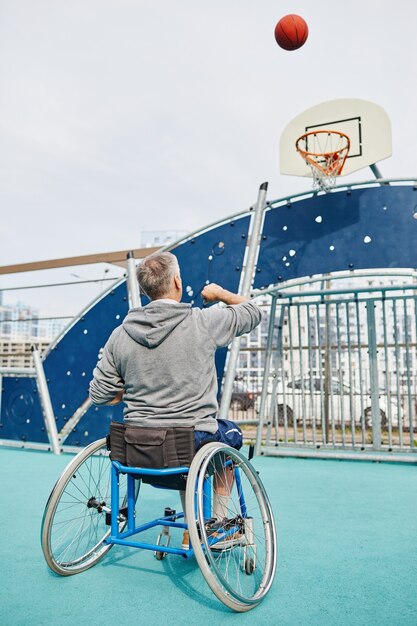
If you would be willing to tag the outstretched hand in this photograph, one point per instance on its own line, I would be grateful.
(212, 293)
(215, 293)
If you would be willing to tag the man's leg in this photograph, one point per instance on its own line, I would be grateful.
(231, 435)
(223, 483)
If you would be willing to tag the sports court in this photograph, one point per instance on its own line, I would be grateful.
(346, 555)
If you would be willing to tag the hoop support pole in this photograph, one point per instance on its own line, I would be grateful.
(377, 173)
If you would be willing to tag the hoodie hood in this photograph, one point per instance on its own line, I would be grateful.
(150, 325)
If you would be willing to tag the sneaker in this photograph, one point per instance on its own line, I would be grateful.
(228, 542)
(186, 537)
(185, 541)
(219, 529)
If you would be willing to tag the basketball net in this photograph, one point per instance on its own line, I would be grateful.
(325, 152)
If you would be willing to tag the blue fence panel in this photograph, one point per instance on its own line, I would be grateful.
(356, 229)
(213, 256)
(21, 416)
(68, 367)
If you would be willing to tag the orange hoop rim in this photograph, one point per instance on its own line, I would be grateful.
(332, 162)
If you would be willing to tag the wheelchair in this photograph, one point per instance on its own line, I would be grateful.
(94, 504)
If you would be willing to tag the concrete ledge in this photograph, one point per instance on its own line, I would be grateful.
(347, 455)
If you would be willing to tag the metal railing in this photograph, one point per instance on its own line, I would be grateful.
(340, 371)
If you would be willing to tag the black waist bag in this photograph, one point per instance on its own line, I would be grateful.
(153, 448)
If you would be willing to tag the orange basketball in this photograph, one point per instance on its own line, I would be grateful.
(291, 32)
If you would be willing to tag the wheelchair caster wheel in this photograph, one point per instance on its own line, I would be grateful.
(249, 566)
(163, 540)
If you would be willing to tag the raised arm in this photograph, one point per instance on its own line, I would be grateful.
(215, 293)
(224, 323)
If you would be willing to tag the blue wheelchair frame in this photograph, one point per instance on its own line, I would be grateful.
(86, 514)
(122, 538)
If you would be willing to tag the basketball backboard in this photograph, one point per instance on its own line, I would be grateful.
(366, 124)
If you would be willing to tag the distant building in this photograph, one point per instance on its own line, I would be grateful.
(20, 328)
(305, 332)
(151, 238)
(18, 353)
(251, 360)
(20, 322)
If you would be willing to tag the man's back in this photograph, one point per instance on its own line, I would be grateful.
(163, 357)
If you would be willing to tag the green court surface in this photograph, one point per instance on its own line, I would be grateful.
(347, 535)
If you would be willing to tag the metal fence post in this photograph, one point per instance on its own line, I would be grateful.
(246, 285)
(268, 359)
(373, 371)
(132, 282)
(48, 412)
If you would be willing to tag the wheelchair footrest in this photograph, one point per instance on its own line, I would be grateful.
(122, 512)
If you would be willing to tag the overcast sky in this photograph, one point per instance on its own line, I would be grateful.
(118, 116)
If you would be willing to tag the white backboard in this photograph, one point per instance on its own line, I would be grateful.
(367, 125)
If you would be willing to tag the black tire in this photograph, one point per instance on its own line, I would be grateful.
(368, 418)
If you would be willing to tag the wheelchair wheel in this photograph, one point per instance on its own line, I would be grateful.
(74, 525)
(237, 556)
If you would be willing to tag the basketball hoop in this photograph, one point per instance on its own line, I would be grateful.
(325, 152)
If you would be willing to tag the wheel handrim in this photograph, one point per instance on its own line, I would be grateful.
(74, 534)
(226, 571)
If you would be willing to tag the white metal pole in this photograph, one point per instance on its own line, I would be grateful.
(74, 419)
(267, 369)
(377, 173)
(48, 412)
(246, 285)
(132, 282)
(373, 370)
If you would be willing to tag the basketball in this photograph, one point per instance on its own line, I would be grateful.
(291, 32)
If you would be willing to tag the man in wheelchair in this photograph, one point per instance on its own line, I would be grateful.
(161, 361)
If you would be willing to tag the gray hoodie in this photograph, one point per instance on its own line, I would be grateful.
(163, 357)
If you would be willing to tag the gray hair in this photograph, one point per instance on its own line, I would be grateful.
(155, 274)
